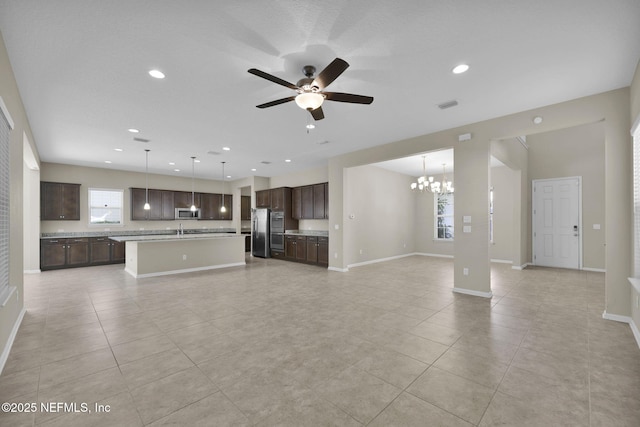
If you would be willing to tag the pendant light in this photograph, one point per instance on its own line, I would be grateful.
(222, 208)
(146, 172)
(193, 197)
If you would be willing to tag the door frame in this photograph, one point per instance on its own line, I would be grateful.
(533, 224)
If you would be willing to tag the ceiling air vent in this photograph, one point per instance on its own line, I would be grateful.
(214, 153)
(141, 140)
(265, 162)
(447, 104)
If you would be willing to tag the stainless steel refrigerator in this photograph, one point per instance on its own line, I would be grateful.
(260, 232)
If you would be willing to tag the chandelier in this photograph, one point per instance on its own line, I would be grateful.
(429, 184)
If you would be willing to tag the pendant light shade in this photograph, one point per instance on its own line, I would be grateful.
(146, 172)
(193, 194)
(223, 209)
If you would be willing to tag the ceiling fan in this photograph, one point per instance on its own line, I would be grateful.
(310, 90)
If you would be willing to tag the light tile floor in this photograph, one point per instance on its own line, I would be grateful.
(279, 343)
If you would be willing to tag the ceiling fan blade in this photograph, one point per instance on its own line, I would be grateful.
(276, 102)
(272, 78)
(330, 73)
(348, 97)
(317, 114)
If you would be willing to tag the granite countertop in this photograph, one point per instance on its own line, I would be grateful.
(171, 237)
(322, 233)
(120, 233)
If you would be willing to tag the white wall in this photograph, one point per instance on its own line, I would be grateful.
(381, 216)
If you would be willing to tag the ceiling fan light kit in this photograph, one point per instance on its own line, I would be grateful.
(310, 90)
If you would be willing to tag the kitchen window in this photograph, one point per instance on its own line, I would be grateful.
(105, 206)
(443, 216)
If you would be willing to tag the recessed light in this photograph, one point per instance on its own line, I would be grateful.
(133, 130)
(176, 170)
(157, 74)
(226, 148)
(107, 161)
(253, 169)
(459, 69)
(228, 176)
(118, 149)
(311, 126)
(196, 161)
(537, 120)
(172, 163)
(288, 160)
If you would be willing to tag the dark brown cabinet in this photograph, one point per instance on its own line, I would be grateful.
(164, 202)
(279, 198)
(160, 202)
(245, 208)
(319, 202)
(79, 252)
(263, 199)
(323, 251)
(184, 199)
(105, 251)
(59, 201)
(64, 253)
(210, 205)
(310, 201)
(307, 249)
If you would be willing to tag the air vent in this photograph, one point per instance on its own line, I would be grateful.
(447, 104)
(322, 142)
(214, 153)
(265, 162)
(141, 140)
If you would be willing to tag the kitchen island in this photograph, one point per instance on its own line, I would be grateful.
(158, 255)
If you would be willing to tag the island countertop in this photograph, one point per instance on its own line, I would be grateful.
(175, 237)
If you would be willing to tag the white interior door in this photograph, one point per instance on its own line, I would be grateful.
(557, 240)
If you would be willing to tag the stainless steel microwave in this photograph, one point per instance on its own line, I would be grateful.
(187, 213)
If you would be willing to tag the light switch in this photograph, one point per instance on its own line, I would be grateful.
(596, 226)
(466, 219)
(466, 229)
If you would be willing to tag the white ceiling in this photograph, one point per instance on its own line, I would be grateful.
(82, 66)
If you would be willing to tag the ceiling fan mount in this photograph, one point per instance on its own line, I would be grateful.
(310, 89)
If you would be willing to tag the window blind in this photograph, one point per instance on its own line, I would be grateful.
(636, 205)
(4, 206)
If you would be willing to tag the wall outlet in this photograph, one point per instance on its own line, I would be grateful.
(184, 257)
(360, 251)
(465, 271)
(335, 255)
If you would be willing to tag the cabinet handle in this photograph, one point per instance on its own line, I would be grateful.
(53, 241)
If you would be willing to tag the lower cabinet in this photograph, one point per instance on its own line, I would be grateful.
(307, 249)
(79, 252)
(64, 253)
(106, 251)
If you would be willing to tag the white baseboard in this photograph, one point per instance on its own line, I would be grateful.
(624, 319)
(433, 255)
(31, 271)
(186, 270)
(501, 261)
(520, 267)
(595, 270)
(375, 261)
(473, 293)
(7, 348)
(339, 270)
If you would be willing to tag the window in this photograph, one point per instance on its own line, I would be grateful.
(105, 206)
(443, 216)
(5, 128)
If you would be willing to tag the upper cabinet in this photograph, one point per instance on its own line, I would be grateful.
(263, 199)
(245, 208)
(164, 202)
(59, 201)
(311, 201)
